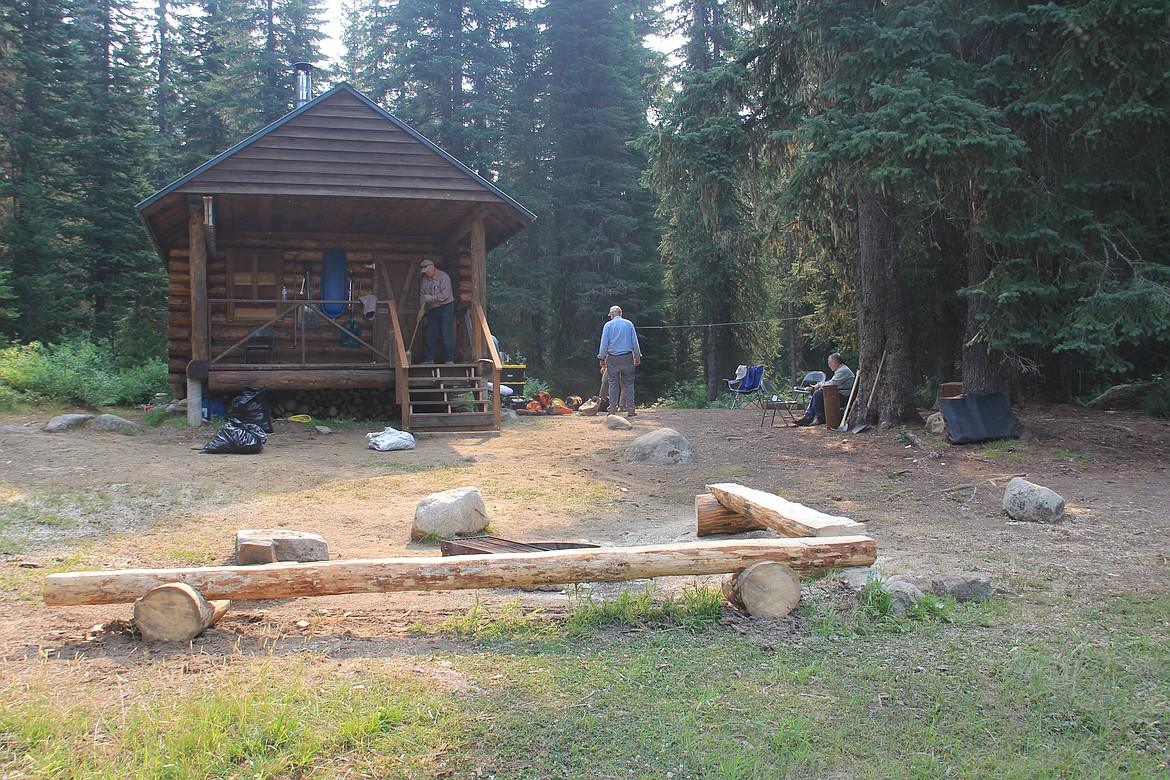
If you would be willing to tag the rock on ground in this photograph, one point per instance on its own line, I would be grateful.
(1026, 501)
(615, 423)
(962, 586)
(661, 447)
(112, 422)
(450, 513)
(288, 545)
(65, 422)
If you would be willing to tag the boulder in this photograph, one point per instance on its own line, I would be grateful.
(449, 513)
(287, 545)
(903, 592)
(1028, 502)
(615, 423)
(1123, 396)
(323, 429)
(962, 586)
(112, 422)
(65, 422)
(661, 447)
(252, 552)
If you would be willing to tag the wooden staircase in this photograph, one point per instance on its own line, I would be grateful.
(448, 397)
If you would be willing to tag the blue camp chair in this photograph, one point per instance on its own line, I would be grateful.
(744, 388)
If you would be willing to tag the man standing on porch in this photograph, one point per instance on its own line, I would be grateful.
(436, 299)
(620, 354)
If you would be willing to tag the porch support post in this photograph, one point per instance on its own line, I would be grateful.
(479, 276)
(197, 243)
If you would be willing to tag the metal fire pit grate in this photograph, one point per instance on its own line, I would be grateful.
(489, 545)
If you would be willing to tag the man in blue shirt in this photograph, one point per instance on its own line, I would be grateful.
(620, 354)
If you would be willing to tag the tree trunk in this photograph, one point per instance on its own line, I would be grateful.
(881, 315)
(981, 372)
(766, 590)
(389, 575)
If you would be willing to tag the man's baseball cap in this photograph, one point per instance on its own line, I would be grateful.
(426, 263)
(615, 309)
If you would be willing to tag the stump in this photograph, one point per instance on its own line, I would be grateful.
(175, 612)
(766, 589)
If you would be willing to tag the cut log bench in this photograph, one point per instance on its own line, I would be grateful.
(177, 604)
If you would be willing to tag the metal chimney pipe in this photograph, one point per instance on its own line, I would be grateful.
(304, 82)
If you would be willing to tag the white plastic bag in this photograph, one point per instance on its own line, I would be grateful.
(390, 439)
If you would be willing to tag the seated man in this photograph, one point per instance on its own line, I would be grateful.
(841, 382)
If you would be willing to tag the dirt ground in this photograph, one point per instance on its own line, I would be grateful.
(163, 504)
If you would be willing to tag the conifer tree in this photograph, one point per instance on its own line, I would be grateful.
(700, 153)
(597, 242)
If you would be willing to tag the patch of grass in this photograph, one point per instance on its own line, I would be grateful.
(936, 699)
(43, 518)
(1080, 458)
(276, 719)
(1009, 451)
(694, 609)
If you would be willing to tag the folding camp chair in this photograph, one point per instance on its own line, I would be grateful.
(747, 387)
(794, 403)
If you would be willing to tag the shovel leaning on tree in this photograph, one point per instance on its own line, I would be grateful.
(862, 425)
(844, 426)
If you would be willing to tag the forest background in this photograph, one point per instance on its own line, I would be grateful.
(974, 191)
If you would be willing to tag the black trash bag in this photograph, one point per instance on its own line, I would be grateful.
(236, 438)
(251, 406)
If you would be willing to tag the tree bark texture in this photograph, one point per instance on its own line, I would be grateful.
(881, 314)
(388, 575)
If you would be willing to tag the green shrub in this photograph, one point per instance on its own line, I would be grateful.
(685, 395)
(77, 372)
(1157, 403)
(534, 385)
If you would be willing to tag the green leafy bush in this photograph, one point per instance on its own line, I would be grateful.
(1157, 403)
(76, 372)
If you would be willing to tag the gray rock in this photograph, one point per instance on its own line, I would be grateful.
(661, 447)
(449, 513)
(65, 422)
(1028, 502)
(615, 423)
(112, 422)
(508, 414)
(255, 551)
(962, 586)
(323, 429)
(856, 578)
(288, 545)
(905, 594)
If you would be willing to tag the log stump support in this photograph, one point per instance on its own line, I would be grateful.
(175, 612)
(766, 589)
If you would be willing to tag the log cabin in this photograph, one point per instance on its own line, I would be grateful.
(271, 247)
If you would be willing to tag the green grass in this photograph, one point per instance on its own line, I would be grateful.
(652, 700)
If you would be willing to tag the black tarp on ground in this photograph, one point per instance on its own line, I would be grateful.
(978, 417)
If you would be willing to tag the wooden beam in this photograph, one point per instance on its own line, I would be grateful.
(388, 575)
(711, 517)
(198, 246)
(784, 517)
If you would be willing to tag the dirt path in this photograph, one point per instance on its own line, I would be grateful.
(161, 503)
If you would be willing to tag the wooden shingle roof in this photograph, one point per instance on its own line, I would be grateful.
(339, 165)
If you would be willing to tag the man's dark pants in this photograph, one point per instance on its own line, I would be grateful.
(441, 321)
